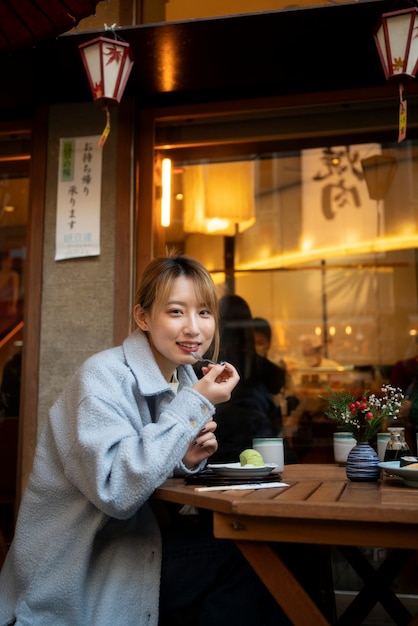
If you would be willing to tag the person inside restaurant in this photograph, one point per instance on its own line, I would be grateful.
(313, 352)
(408, 417)
(286, 398)
(404, 372)
(9, 287)
(262, 336)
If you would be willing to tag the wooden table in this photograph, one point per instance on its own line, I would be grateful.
(320, 506)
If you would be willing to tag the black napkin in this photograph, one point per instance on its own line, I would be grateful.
(208, 477)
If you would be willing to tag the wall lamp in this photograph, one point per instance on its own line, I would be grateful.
(166, 192)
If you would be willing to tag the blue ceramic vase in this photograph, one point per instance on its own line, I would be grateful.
(363, 463)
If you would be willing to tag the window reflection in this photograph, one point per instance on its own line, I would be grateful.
(14, 206)
(331, 249)
(14, 203)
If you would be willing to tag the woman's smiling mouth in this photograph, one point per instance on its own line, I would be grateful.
(188, 347)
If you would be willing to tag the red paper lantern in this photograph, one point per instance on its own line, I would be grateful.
(396, 38)
(108, 63)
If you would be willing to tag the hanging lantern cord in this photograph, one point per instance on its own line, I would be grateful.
(112, 29)
(106, 129)
(402, 115)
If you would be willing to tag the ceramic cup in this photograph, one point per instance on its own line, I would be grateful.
(382, 442)
(342, 443)
(271, 449)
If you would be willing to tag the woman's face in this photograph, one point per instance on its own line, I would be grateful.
(177, 327)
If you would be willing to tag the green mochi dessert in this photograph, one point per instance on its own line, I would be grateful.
(251, 457)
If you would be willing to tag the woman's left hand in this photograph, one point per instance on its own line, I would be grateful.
(203, 446)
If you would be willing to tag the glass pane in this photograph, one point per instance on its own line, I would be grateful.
(320, 242)
(14, 204)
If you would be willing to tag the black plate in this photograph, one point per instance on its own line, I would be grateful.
(208, 477)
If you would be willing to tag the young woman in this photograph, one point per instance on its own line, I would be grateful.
(87, 549)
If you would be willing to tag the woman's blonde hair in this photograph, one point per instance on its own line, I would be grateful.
(157, 281)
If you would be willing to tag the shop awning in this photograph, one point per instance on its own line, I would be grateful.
(262, 55)
(25, 23)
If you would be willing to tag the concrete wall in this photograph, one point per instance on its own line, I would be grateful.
(77, 294)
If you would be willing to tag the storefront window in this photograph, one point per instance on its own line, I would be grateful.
(319, 238)
(14, 206)
(323, 243)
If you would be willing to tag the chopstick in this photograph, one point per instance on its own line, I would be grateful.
(239, 487)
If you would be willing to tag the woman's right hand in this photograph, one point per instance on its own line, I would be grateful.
(218, 382)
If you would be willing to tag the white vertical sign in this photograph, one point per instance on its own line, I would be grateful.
(336, 208)
(78, 198)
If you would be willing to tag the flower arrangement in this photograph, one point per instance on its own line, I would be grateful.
(364, 417)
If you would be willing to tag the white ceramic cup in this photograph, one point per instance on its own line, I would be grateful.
(343, 442)
(382, 442)
(271, 449)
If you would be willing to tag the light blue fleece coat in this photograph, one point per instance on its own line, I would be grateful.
(87, 547)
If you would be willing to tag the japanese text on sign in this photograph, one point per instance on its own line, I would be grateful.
(78, 198)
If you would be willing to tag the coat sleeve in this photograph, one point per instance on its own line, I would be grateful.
(116, 461)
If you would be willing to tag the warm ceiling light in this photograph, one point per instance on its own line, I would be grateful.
(219, 198)
(166, 192)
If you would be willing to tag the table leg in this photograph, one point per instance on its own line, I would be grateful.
(376, 587)
(281, 583)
